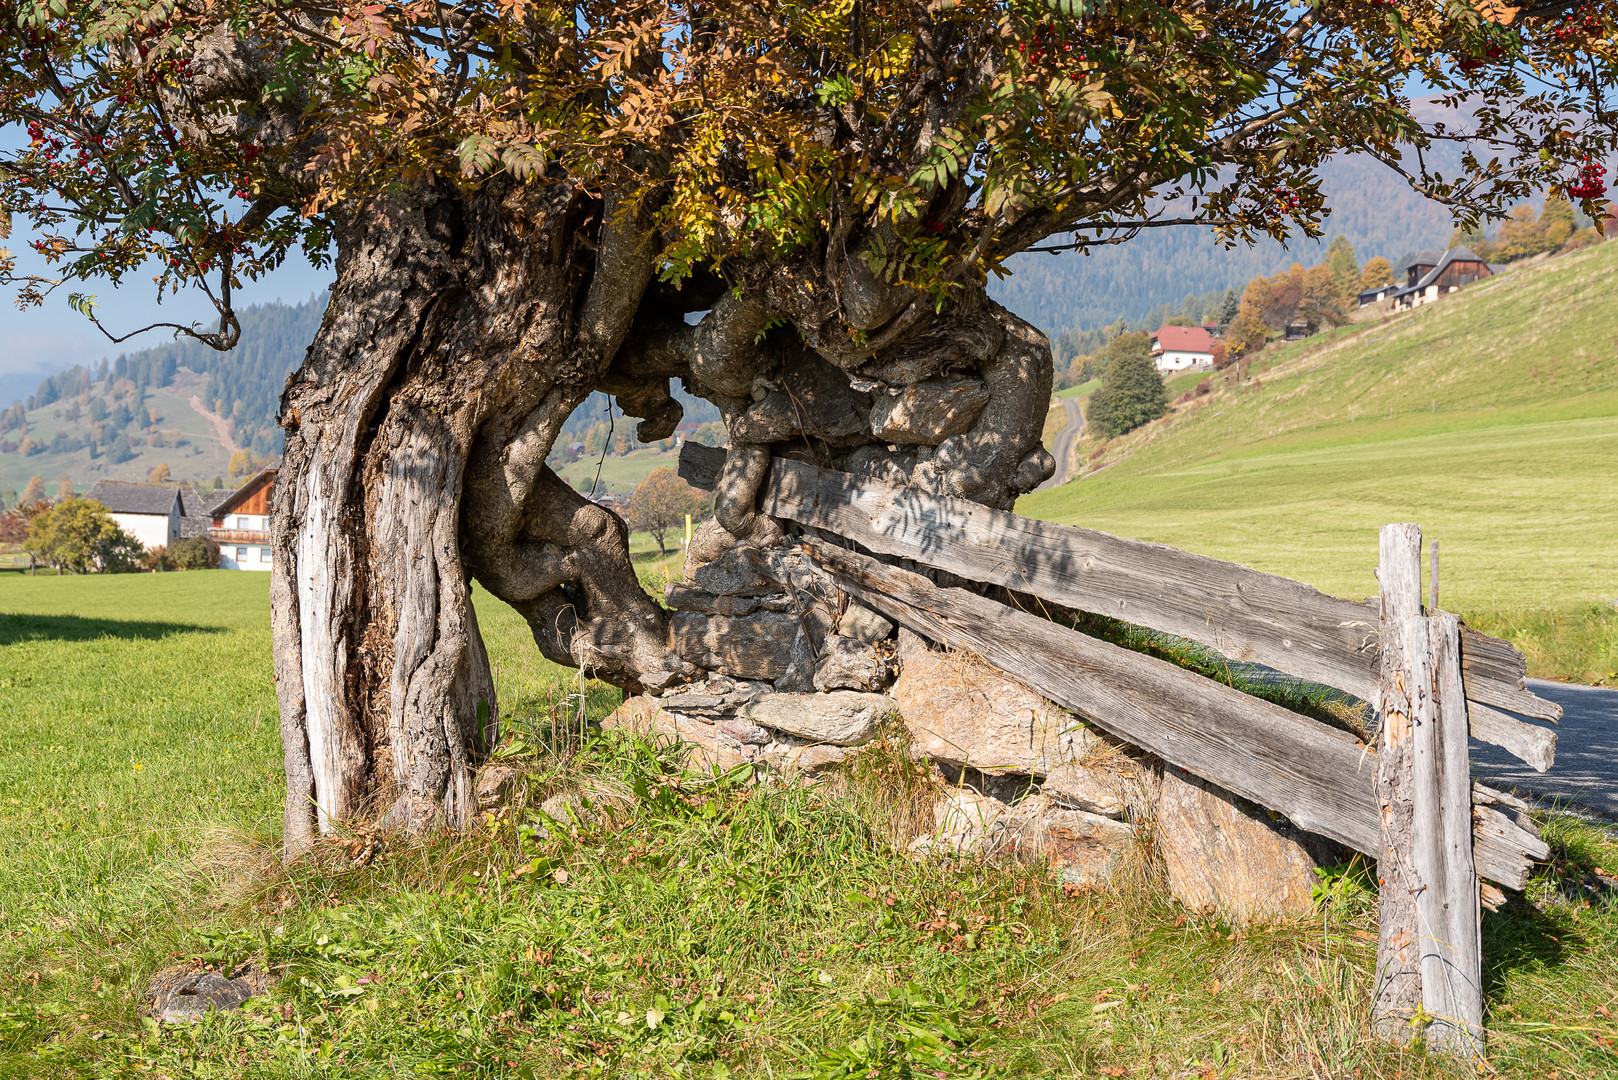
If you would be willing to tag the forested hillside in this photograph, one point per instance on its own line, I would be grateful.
(243, 385)
(1370, 205)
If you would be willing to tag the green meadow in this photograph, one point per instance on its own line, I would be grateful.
(702, 926)
(1490, 418)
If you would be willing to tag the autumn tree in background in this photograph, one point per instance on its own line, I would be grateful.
(159, 474)
(1376, 274)
(78, 536)
(64, 487)
(1131, 391)
(34, 490)
(660, 504)
(1343, 265)
(523, 202)
(1525, 232)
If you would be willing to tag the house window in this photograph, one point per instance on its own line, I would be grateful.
(241, 523)
(263, 554)
(241, 554)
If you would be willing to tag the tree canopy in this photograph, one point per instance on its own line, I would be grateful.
(931, 140)
(1131, 391)
(77, 535)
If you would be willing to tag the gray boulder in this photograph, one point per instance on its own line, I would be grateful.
(756, 647)
(181, 995)
(846, 664)
(841, 718)
(862, 624)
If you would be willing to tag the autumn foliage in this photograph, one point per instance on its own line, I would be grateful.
(208, 140)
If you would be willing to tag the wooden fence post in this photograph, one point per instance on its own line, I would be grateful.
(1452, 952)
(1429, 958)
(1398, 968)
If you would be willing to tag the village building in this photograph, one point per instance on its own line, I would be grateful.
(1433, 274)
(1182, 348)
(1376, 295)
(151, 513)
(241, 524)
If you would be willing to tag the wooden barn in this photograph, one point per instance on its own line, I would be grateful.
(1433, 274)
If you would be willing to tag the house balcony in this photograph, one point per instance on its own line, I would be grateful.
(238, 536)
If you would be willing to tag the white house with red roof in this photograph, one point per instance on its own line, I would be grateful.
(1182, 348)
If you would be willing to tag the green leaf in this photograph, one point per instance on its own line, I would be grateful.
(478, 153)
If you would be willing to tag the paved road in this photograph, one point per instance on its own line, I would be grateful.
(1063, 450)
(1586, 769)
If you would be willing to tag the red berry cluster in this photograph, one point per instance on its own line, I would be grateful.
(1473, 63)
(1287, 201)
(1044, 45)
(1581, 20)
(1590, 184)
(244, 183)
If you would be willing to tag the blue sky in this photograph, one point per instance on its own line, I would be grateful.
(37, 341)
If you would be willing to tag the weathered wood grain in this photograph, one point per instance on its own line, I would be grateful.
(1317, 776)
(1245, 614)
(1452, 951)
(1534, 745)
(1405, 856)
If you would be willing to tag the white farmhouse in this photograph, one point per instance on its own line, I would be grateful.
(148, 512)
(1182, 348)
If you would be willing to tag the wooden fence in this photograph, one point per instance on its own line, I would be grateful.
(1409, 802)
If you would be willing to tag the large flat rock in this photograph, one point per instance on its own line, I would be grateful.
(962, 711)
(712, 746)
(757, 646)
(839, 718)
(1222, 860)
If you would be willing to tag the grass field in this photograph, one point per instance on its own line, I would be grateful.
(1491, 419)
(619, 474)
(706, 928)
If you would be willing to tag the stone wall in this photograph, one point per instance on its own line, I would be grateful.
(799, 678)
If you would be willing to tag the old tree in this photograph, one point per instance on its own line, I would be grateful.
(791, 206)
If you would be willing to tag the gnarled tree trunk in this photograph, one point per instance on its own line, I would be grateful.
(462, 332)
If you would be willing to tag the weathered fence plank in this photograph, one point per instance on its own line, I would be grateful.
(1317, 776)
(1245, 614)
(1452, 952)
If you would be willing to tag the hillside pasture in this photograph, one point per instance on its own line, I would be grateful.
(202, 457)
(1490, 418)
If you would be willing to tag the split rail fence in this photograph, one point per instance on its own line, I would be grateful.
(1409, 801)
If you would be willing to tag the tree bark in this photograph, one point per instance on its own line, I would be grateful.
(462, 332)
(457, 341)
